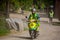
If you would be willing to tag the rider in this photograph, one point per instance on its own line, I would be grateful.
(36, 17)
(51, 14)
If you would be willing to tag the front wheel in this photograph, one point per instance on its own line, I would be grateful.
(33, 34)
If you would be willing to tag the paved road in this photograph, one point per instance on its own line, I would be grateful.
(47, 32)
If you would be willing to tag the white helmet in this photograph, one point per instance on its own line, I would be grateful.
(34, 10)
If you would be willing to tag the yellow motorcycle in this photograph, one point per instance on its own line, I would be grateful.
(33, 25)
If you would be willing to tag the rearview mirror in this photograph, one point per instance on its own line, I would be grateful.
(25, 16)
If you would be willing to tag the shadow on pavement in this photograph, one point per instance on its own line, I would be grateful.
(56, 23)
(22, 37)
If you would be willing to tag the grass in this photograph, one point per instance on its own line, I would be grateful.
(3, 27)
(25, 29)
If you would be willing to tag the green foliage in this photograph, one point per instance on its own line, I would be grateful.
(47, 2)
(15, 4)
(26, 3)
(3, 28)
(2, 5)
(42, 6)
(25, 29)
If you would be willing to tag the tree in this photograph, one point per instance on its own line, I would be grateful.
(5, 6)
(47, 3)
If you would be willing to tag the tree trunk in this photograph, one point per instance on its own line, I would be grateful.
(57, 9)
(48, 10)
(7, 9)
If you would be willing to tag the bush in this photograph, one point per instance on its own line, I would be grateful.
(3, 28)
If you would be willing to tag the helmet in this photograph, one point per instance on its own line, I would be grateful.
(33, 10)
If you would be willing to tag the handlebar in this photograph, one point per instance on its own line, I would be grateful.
(32, 21)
